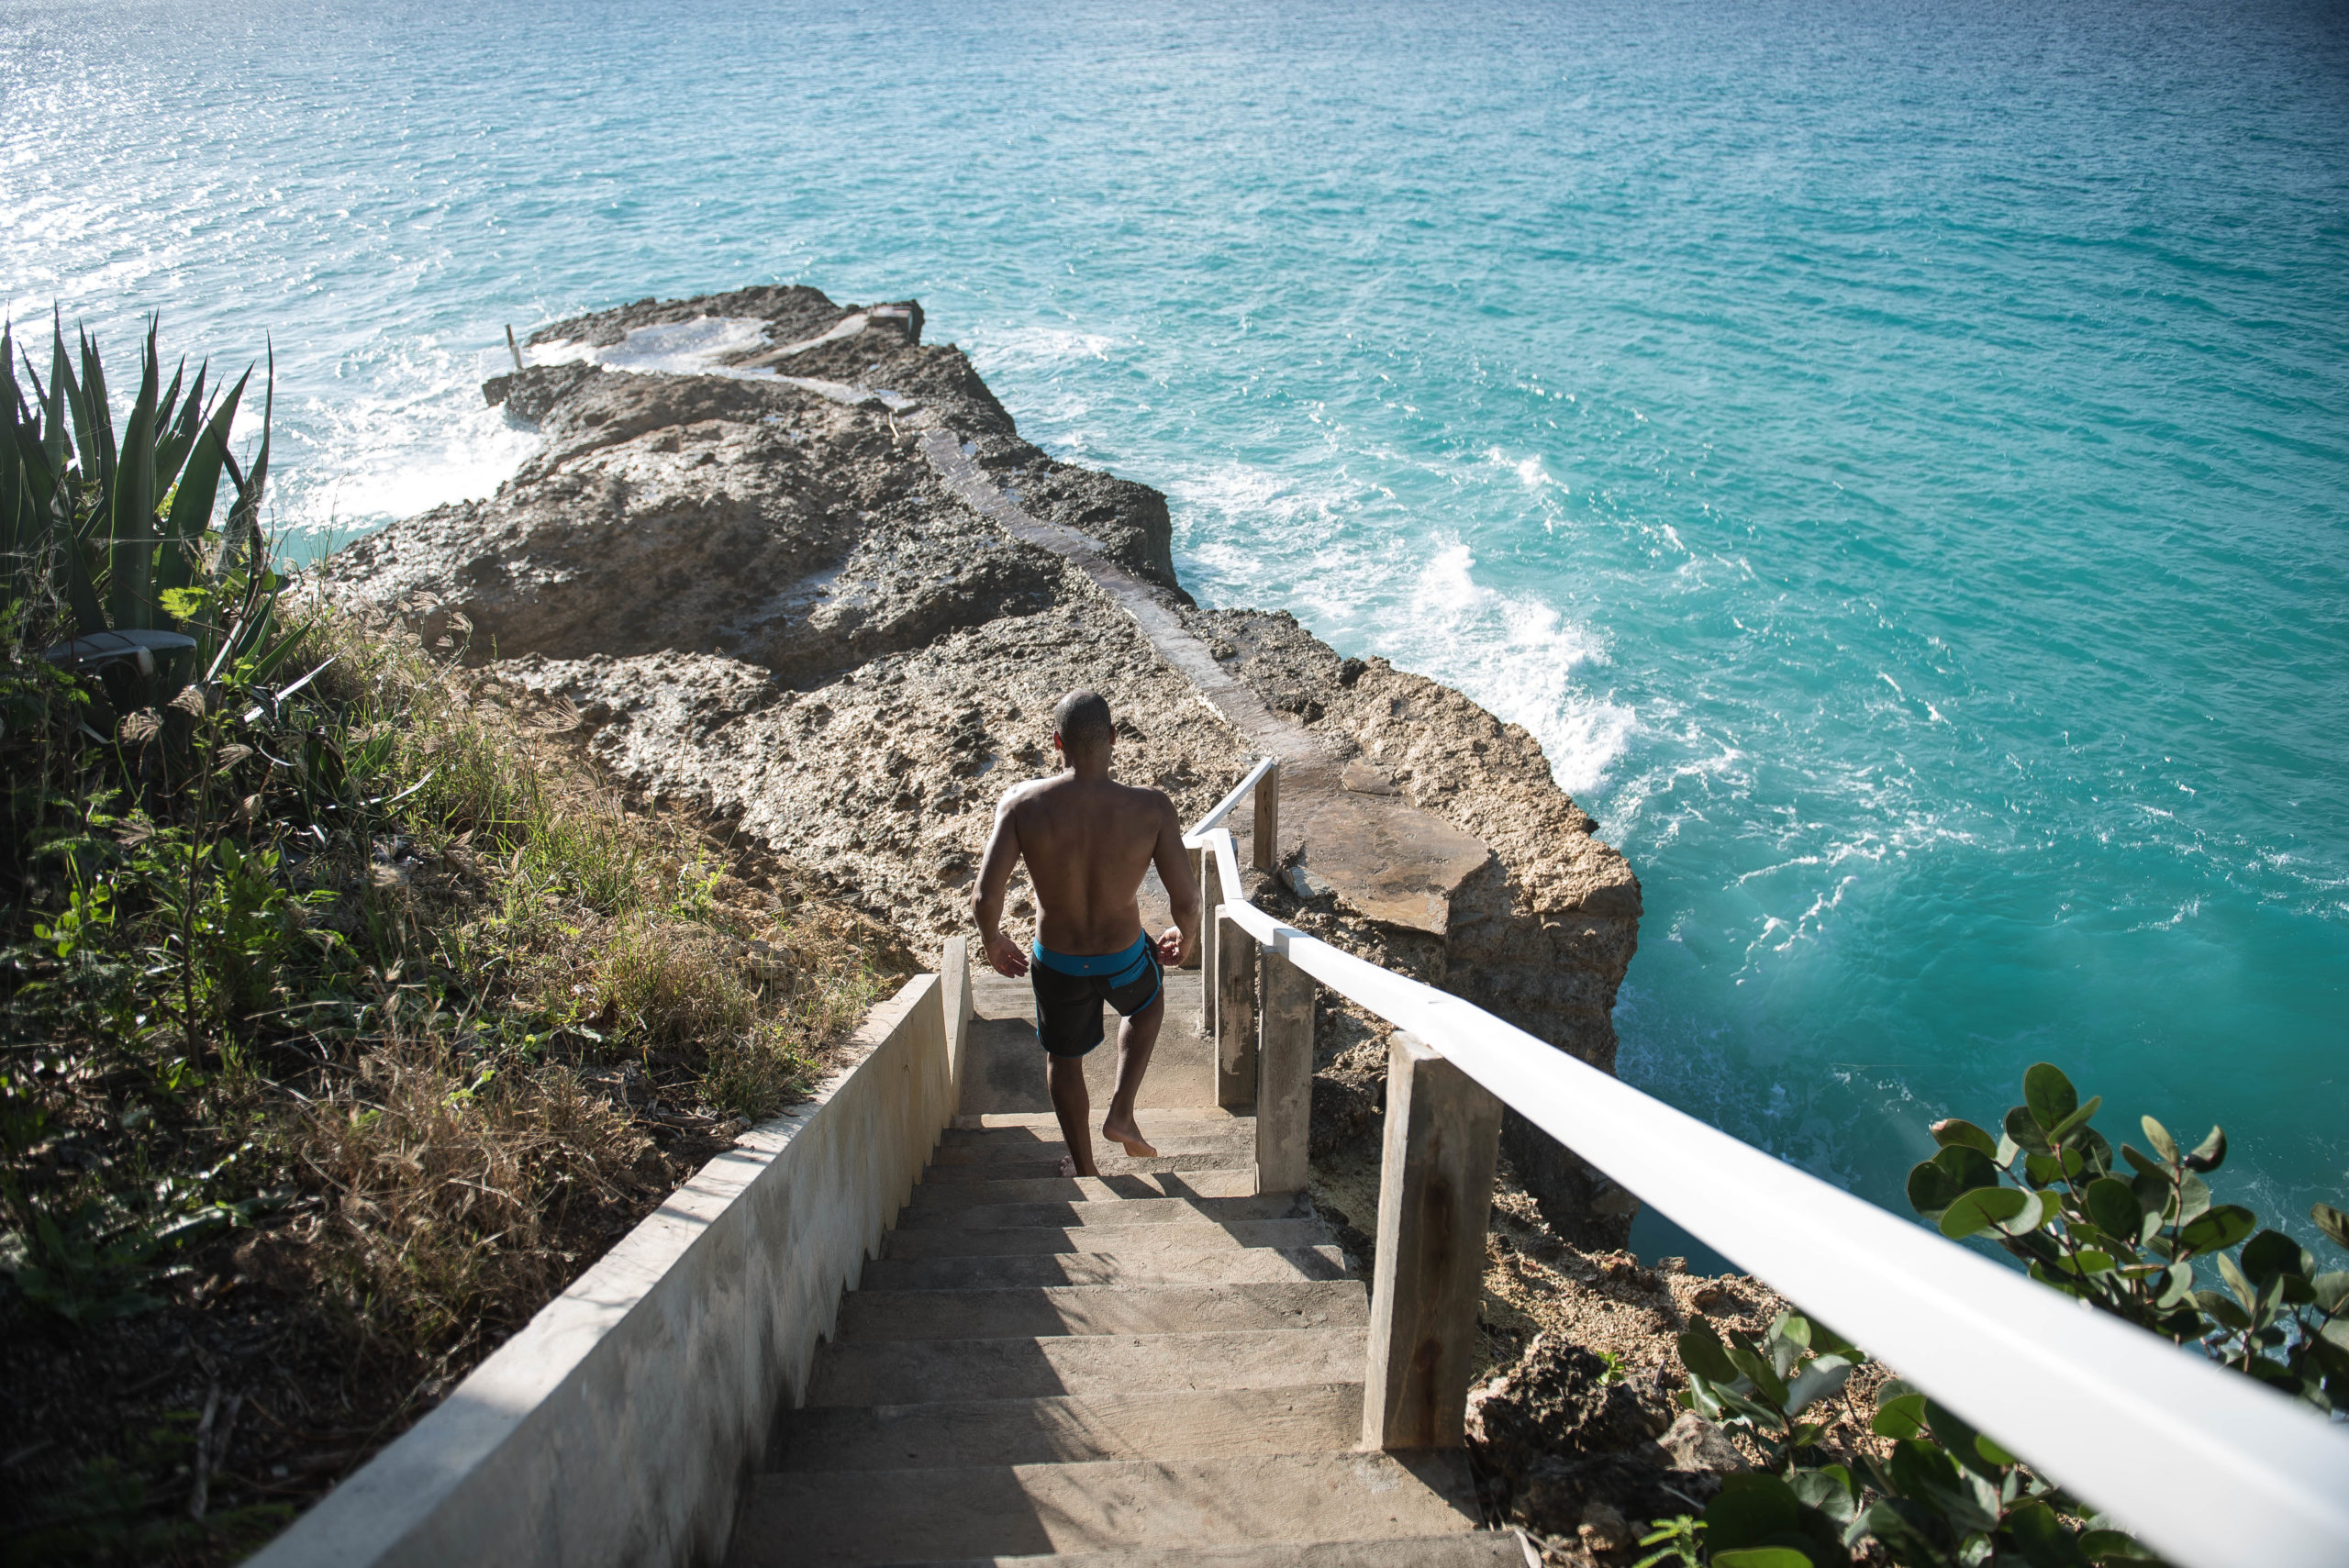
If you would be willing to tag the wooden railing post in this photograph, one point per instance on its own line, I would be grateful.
(1211, 898)
(1202, 867)
(1284, 1073)
(1435, 1199)
(1268, 822)
(1235, 1016)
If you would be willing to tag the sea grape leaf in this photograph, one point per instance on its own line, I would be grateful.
(2046, 1543)
(2049, 1094)
(2112, 1546)
(2331, 1289)
(2077, 1120)
(2332, 1222)
(2219, 1227)
(1701, 1351)
(2271, 1253)
(1761, 1557)
(2163, 1144)
(1983, 1208)
(2210, 1153)
(1902, 1416)
(1957, 1132)
(1824, 1377)
(2114, 1208)
(2145, 1164)
(1751, 1508)
(1830, 1489)
(2025, 1132)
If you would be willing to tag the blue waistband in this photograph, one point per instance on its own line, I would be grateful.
(1116, 965)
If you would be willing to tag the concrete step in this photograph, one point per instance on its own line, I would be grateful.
(1203, 1425)
(953, 1197)
(1478, 1549)
(1033, 1163)
(1044, 1125)
(796, 1517)
(1038, 1312)
(1157, 1239)
(1004, 1069)
(909, 1372)
(1123, 1213)
(1227, 1265)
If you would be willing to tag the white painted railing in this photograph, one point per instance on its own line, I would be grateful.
(2203, 1464)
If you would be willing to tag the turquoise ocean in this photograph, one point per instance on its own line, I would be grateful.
(1893, 455)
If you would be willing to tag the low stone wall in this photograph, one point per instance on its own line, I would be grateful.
(618, 1426)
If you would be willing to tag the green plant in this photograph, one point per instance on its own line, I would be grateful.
(1677, 1540)
(81, 1267)
(1766, 1387)
(117, 527)
(2126, 1236)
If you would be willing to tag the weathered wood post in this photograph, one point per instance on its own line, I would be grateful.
(1210, 899)
(1200, 861)
(1235, 1013)
(1435, 1199)
(1268, 821)
(514, 349)
(1283, 1072)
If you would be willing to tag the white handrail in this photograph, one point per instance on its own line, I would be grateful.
(1222, 809)
(2204, 1465)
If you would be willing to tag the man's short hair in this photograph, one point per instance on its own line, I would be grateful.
(1082, 718)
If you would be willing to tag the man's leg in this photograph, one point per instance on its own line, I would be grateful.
(1065, 1077)
(1136, 1037)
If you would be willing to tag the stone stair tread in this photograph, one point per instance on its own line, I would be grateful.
(1477, 1549)
(907, 1371)
(1119, 1212)
(1004, 1068)
(1059, 1429)
(1053, 1188)
(969, 1126)
(1040, 1163)
(1047, 1311)
(1201, 1235)
(876, 1516)
(1227, 1265)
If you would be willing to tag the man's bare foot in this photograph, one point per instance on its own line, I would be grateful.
(1128, 1136)
(1068, 1164)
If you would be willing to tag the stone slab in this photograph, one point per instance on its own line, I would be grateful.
(1124, 1213)
(1007, 1312)
(1198, 1425)
(864, 1517)
(1229, 1265)
(914, 1371)
(1124, 1240)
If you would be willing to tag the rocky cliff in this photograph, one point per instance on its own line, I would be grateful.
(793, 564)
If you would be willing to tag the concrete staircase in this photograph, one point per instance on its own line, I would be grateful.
(1154, 1369)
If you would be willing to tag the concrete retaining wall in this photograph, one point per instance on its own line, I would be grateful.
(618, 1428)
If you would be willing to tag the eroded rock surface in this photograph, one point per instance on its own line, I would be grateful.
(762, 594)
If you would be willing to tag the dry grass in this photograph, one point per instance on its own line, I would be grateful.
(508, 1012)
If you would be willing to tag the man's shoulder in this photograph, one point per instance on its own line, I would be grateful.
(1142, 796)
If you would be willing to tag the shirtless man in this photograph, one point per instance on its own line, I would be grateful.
(1089, 841)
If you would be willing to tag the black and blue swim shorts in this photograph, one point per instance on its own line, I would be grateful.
(1070, 989)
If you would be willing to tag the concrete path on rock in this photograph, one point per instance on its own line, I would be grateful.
(1385, 858)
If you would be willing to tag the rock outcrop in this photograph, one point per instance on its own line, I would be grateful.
(818, 585)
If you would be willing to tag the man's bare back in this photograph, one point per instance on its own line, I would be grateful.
(1089, 841)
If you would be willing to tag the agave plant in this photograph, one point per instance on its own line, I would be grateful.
(116, 528)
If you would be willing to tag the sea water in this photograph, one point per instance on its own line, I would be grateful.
(1894, 456)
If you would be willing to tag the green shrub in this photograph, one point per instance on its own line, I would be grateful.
(2050, 1191)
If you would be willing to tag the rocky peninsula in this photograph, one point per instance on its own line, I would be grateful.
(794, 566)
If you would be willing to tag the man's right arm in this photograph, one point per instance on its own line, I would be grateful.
(995, 877)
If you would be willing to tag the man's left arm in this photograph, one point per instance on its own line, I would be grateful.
(1182, 888)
